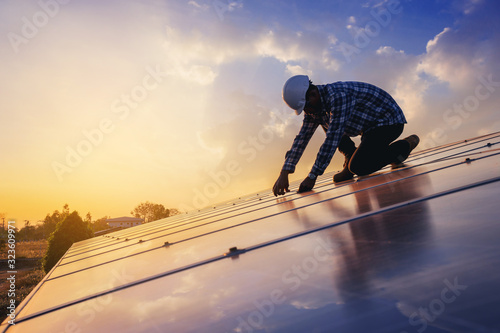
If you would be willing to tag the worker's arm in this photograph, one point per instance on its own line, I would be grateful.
(342, 108)
(294, 154)
(300, 142)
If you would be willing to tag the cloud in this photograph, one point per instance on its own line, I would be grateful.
(456, 64)
(449, 62)
(298, 46)
(470, 5)
(437, 89)
(458, 55)
(403, 79)
(196, 52)
(195, 55)
(388, 51)
(198, 6)
(432, 43)
(190, 57)
(297, 70)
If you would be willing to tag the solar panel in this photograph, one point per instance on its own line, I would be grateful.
(402, 250)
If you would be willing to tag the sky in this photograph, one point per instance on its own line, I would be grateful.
(107, 104)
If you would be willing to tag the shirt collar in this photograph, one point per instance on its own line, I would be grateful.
(324, 101)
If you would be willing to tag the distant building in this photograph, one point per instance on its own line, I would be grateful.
(124, 222)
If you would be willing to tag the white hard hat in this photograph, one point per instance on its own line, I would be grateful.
(294, 92)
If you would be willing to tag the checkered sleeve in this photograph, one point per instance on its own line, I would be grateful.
(300, 142)
(343, 105)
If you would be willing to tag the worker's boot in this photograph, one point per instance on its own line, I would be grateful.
(413, 141)
(345, 174)
(347, 148)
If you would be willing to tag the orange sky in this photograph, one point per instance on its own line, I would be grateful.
(105, 106)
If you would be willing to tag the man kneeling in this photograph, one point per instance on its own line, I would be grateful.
(344, 110)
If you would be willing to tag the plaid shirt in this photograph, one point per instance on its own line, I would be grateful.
(352, 108)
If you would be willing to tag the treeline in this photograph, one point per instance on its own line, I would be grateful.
(31, 232)
(62, 229)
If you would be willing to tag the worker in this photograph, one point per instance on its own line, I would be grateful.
(344, 110)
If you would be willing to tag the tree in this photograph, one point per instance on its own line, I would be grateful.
(150, 211)
(174, 211)
(100, 224)
(31, 232)
(71, 229)
(2, 217)
(51, 221)
(28, 232)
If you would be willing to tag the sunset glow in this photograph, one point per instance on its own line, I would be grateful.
(106, 104)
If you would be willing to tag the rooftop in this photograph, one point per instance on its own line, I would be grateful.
(125, 219)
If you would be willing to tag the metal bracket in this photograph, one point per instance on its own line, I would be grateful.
(234, 252)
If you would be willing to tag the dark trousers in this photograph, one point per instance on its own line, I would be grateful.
(376, 149)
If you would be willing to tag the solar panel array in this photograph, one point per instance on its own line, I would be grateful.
(403, 250)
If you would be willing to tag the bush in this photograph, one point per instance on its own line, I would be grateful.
(72, 229)
(25, 282)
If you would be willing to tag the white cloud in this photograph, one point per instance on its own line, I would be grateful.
(197, 5)
(398, 73)
(195, 56)
(470, 5)
(455, 57)
(282, 47)
(299, 47)
(457, 61)
(190, 57)
(297, 70)
(388, 51)
(432, 43)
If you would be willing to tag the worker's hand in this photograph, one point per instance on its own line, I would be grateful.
(306, 185)
(281, 185)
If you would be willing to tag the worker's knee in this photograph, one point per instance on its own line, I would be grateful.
(359, 171)
(359, 168)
